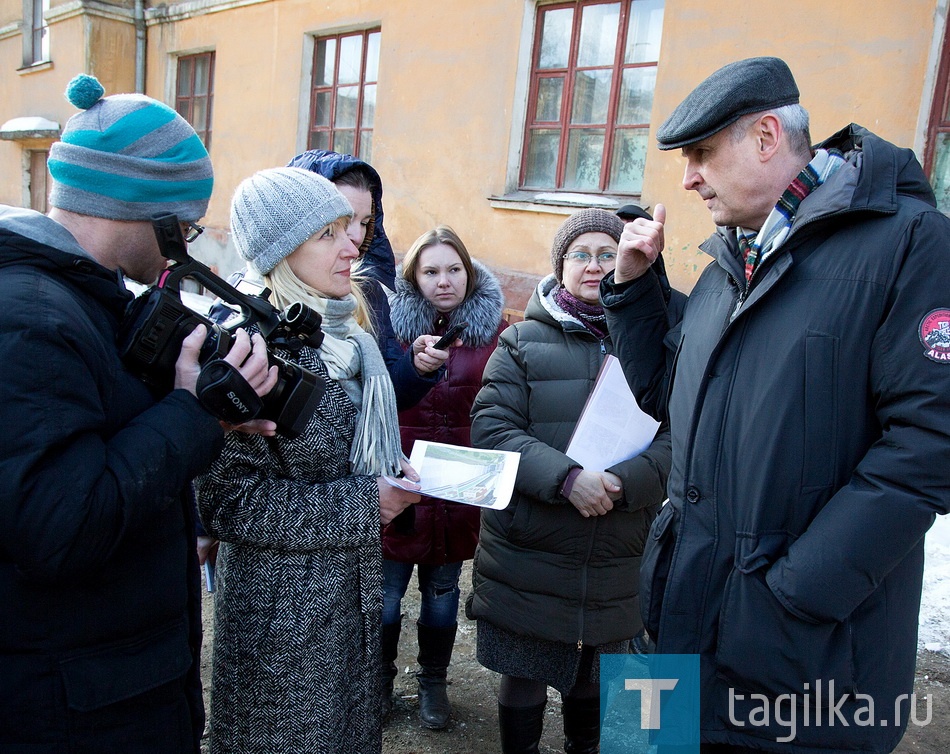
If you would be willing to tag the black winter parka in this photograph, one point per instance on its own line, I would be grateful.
(811, 442)
(98, 569)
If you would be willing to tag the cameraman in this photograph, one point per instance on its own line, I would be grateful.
(98, 570)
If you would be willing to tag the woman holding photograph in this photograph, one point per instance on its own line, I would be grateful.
(556, 573)
(438, 286)
(295, 664)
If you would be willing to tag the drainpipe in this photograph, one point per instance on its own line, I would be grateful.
(140, 46)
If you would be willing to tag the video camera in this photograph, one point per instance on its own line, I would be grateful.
(157, 322)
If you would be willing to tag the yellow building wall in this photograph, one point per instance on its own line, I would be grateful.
(446, 99)
(449, 92)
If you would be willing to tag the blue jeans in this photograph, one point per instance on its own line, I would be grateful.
(438, 585)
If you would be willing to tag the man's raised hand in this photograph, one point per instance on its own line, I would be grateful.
(640, 244)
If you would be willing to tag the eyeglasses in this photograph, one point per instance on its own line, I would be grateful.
(582, 257)
(192, 231)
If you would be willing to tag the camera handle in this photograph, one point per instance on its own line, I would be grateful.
(172, 245)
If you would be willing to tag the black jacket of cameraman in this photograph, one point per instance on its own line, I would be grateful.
(98, 570)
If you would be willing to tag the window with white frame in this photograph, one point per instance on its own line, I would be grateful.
(36, 43)
(593, 72)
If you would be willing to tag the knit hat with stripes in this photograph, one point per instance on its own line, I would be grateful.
(128, 157)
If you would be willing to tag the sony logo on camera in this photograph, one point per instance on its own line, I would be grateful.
(239, 404)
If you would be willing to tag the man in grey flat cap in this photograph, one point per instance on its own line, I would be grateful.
(810, 412)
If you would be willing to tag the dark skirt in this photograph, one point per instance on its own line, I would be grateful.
(553, 662)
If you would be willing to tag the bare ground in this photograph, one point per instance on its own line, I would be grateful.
(474, 725)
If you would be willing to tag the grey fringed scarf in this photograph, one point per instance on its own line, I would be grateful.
(349, 351)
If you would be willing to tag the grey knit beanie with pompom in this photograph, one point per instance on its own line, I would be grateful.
(585, 221)
(274, 211)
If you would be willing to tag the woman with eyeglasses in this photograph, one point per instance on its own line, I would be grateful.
(556, 574)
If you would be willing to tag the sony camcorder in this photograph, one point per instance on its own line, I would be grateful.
(158, 321)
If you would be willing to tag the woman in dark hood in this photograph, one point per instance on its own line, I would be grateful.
(415, 371)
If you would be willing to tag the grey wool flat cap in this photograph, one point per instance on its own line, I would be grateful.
(746, 86)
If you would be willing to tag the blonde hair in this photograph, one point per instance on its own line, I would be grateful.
(288, 289)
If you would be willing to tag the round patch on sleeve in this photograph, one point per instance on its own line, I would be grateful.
(935, 335)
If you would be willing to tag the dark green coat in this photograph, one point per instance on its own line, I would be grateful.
(542, 570)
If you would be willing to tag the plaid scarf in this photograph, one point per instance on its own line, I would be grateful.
(757, 247)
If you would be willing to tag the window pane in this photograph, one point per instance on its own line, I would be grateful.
(585, 151)
(185, 66)
(372, 56)
(368, 117)
(343, 141)
(366, 146)
(199, 114)
(321, 116)
(550, 92)
(644, 31)
(319, 140)
(941, 171)
(636, 95)
(556, 38)
(202, 74)
(599, 26)
(629, 160)
(346, 100)
(326, 53)
(351, 57)
(591, 96)
(541, 167)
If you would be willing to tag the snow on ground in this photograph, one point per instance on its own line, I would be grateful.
(935, 604)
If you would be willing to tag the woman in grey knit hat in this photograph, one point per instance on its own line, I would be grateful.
(295, 664)
(556, 573)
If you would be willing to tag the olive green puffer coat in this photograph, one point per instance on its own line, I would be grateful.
(542, 570)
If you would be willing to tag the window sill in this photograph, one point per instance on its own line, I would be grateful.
(557, 203)
(43, 65)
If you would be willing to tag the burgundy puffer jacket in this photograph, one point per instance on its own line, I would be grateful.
(434, 531)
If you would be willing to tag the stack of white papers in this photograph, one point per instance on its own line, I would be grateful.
(612, 427)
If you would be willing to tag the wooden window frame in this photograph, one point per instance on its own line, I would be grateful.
(315, 89)
(569, 75)
(185, 104)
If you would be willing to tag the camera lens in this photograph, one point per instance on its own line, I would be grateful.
(304, 320)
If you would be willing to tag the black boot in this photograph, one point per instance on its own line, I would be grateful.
(435, 653)
(520, 728)
(581, 725)
(390, 646)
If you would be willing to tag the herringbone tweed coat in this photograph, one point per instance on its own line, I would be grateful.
(299, 596)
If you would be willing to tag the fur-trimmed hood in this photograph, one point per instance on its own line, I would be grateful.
(413, 315)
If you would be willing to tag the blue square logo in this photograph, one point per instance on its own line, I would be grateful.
(649, 704)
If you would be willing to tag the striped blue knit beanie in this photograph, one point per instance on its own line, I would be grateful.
(128, 157)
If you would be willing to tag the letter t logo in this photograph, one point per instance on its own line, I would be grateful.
(650, 689)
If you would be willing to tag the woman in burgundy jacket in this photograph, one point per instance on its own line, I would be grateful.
(439, 285)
